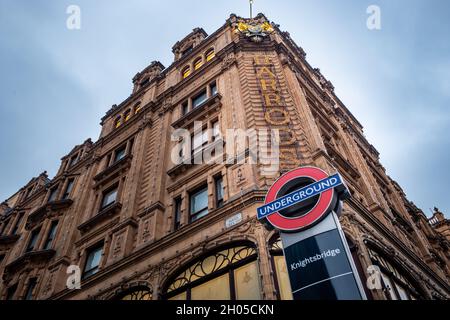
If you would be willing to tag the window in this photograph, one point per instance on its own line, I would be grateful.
(119, 154)
(11, 292)
(94, 256)
(213, 87)
(281, 275)
(230, 274)
(29, 192)
(216, 131)
(177, 213)
(187, 51)
(33, 240)
(138, 294)
(127, 115)
(137, 108)
(396, 283)
(73, 161)
(199, 141)
(199, 99)
(118, 122)
(185, 108)
(31, 285)
(51, 235)
(68, 190)
(53, 194)
(17, 224)
(3, 227)
(219, 191)
(210, 54)
(144, 82)
(198, 63)
(109, 198)
(199, 204)
(186, 72)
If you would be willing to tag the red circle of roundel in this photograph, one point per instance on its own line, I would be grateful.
(319, 210)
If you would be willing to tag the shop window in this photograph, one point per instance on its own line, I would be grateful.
(229, 274)
(281, 275)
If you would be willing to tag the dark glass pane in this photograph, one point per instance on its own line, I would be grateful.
(120, 154)
(199, 204)
(51, 235)
(198, 100)
(93, 261)
(68, 189)
(53, 194)
(33, 240)
(31, 286)
(109, 198)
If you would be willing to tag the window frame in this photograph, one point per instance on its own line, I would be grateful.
(198, 215)
(229, 270)
(178, 205)
(32, 283)
(34, 237)
(93, 271)
(109, 191)
(219, 202)
(51, 235)
(68, 189)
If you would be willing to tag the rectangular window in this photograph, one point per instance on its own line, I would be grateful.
(216, 131)
(185, 108)
(17, 224)
(11, 292)
(68, 190)
(199, 204)
(199, 142)
(51, 235)
(109, 198)
(53, 194)
(213, 87)
(177, 213)
(219, 191)
(3, 227)
(119, 154)
(93, 258)
(31, 285)
(199, 99)
(187, 51)
(29, 192)
(73, 161)
(33, 240)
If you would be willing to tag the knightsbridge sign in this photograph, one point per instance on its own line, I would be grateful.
(304, 205)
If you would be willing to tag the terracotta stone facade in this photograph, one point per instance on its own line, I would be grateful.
(255, 78)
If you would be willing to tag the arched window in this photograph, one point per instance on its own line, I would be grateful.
(397, 285)
(210, 54)
(281, 275)
(138, 293)
(127, 115)
(229, 274)
(198, 63)
(186, 72)
(118, 121)
(137, 108)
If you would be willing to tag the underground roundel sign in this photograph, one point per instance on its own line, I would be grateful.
(301, 198)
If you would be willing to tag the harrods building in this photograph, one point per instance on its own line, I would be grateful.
(140, 226)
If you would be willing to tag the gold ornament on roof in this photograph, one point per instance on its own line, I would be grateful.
(255, 31)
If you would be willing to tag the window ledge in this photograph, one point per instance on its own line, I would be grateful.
(209, 105)
(103, 215)
(41, 213)
(9, 239)
(188, 163)
(27, 258)
(120, 165)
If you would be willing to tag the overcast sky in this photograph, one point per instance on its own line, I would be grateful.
(56, 83)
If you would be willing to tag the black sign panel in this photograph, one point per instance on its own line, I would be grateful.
(319, 268)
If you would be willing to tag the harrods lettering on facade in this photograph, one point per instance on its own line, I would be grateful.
(139, 227)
